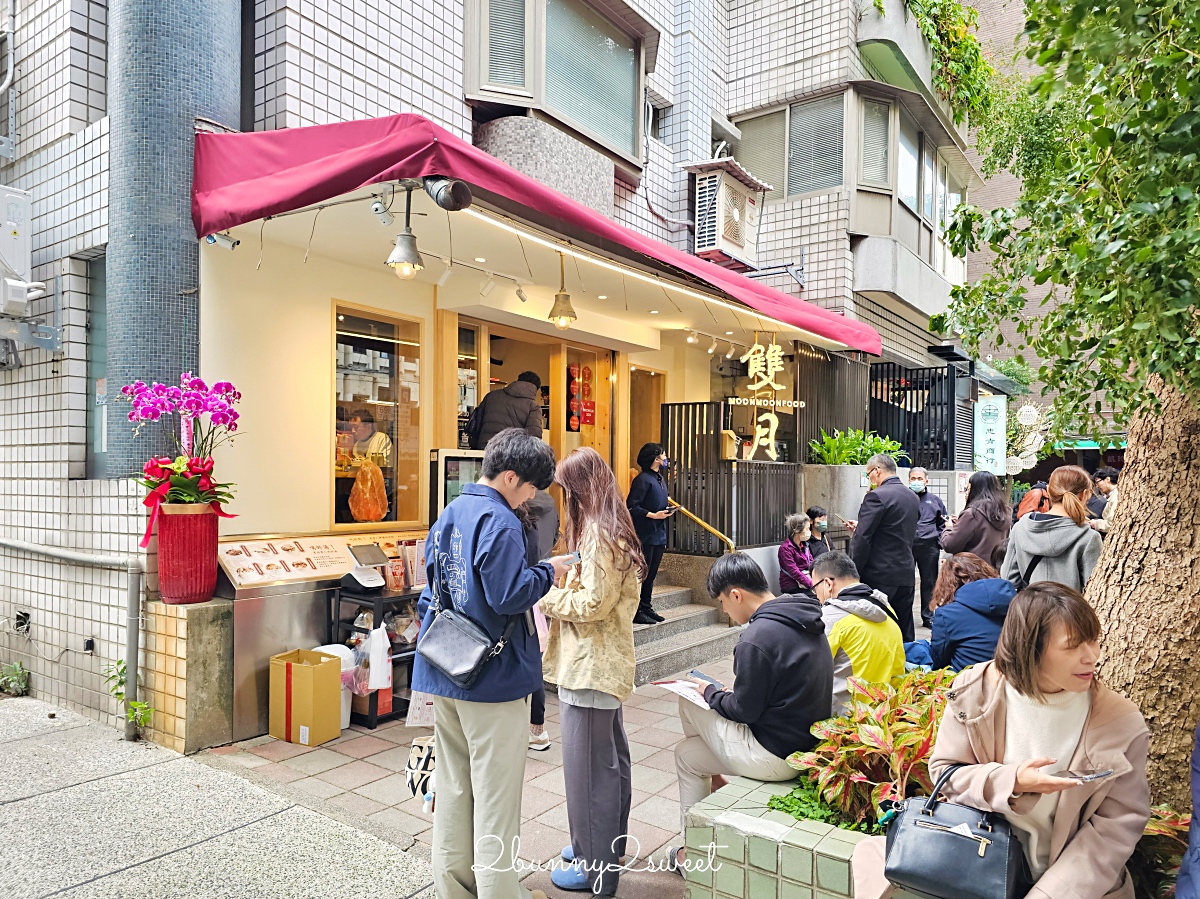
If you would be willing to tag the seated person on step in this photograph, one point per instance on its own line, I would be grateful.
(783, 683)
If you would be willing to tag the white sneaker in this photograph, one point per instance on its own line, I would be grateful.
(539, 741)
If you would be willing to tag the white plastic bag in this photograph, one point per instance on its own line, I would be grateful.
(380, 660)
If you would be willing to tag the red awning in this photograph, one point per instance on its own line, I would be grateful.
(240, 178)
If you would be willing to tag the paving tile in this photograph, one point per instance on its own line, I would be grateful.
(359, 805)
(279, 773)
(361, 747)
(317, 761)
(552, 782)
(639, 715)
(222, 750)
(353, 775)
(540, 842)
(639, 751)
(671, 725)
(650, 838)
(535, 801)
(657, 810)
(658, 736)
(318, 788)
(651, 780)
(393, 757)
(662, 706)
(663, 760)
(536, 767)
(279, 750)
(390, 790)
(394, 817)
(403, 735)
(255, 741)
(556, 817)
(246, 759)
(415, 806)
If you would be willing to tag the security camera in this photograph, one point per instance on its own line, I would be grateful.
(222, 240)
(449, 193)
(381, 212)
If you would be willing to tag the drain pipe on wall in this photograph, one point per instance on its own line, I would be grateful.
(133, 606)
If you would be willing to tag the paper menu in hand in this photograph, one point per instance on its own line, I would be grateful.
(684, 688)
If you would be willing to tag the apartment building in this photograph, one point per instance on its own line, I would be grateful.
(850, 160)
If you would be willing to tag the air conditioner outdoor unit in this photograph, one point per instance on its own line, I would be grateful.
(728, 212)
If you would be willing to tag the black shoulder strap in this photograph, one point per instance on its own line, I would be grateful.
(887, 608)
(1033, 563)
(437, 588)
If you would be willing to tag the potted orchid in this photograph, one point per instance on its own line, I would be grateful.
(183, 497)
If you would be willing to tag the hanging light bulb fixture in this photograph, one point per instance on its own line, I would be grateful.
(562, 313)
(405, 259)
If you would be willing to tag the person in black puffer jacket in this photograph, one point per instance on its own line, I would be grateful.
(647, 504)
(519, 405)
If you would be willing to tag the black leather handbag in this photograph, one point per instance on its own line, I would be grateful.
(454, 644)
(940, 850)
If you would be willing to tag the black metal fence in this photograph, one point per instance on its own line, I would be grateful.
(928, 410)
(746, 501)
(834, 391)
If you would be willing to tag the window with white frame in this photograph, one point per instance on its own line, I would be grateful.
(568, 60)
(928, 177)
(762, 150)
(908, 165)
(815, 145)
(876, 143)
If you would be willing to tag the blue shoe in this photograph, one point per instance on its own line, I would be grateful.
(572, 877)
(568, 853)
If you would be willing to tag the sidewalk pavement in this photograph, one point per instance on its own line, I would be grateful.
(86, 815)
(359, 777)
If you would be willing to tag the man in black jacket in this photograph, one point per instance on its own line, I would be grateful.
(519, 405)
(927, 547)
(882, 546)
(783, 684)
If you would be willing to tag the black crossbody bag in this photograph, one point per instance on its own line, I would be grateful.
(453, 643)
(941, 850)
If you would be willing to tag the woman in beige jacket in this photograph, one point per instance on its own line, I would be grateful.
(590, 657)
(1037, 708)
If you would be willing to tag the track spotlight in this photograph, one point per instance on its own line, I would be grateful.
(449, 193)
(521, 295)
(222, 240)
(692, 338)
(445, 276)
(712, 349)
(729, 355)
(488, 286)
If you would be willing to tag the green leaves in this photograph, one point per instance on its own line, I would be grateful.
(879, 747)
(852, 447)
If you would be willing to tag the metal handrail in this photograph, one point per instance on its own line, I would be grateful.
(133, 606)
(704, 524)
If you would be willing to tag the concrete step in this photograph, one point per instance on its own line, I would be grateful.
(659, 658)
(680, 619)
(667, 597)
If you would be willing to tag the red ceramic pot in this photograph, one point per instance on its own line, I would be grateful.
(187, 553)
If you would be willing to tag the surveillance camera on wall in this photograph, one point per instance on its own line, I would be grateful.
(222, 240)
(381, 212)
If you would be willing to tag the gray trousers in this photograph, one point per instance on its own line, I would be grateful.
(597, 773)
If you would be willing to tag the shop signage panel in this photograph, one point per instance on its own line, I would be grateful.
(991, 434)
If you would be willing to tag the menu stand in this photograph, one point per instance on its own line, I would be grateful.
(339, 629)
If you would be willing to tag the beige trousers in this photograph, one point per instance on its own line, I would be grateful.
(478, 780)
(716, 745)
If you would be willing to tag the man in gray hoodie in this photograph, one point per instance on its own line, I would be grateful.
(519, 405)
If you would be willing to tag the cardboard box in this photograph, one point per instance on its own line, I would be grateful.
(361, 705)
(306, 697)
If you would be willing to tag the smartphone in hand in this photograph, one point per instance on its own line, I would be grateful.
(572, 558)
(1084, 776)
(700, 675)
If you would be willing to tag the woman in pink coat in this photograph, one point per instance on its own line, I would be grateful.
(1017, 723)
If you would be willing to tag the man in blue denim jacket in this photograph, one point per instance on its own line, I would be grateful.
(477, 549)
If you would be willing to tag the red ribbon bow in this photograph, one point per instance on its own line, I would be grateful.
(154, 502)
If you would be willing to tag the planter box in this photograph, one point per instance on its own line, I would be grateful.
(841, 488)
(762, 854)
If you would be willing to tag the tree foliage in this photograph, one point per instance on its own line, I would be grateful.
(1106, 140)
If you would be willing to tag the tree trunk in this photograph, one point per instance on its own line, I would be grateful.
(1146, 587)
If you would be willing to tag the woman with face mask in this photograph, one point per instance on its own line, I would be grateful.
(819, 542)
(647, 504)
(795, 558)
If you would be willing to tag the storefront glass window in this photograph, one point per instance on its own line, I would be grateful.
(377, 417)
(468, 379)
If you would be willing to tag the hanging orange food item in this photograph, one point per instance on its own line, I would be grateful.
(368, 496)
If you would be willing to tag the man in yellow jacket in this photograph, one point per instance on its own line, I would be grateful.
(861, 628)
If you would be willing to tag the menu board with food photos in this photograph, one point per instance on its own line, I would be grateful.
(290, 559)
